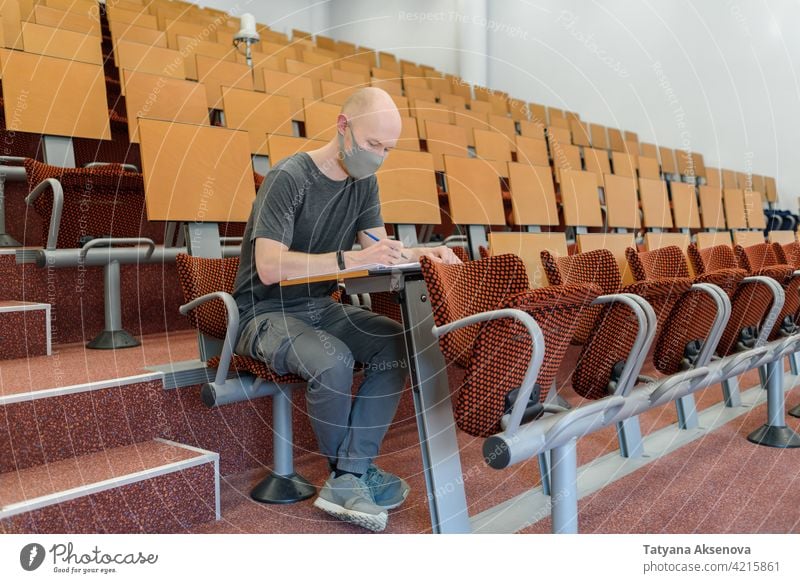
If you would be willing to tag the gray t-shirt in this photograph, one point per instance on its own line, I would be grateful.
(305, 210)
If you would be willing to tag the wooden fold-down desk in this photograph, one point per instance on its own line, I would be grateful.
(431, 392)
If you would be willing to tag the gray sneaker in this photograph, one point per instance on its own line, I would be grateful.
(388, 490)
(349, 498)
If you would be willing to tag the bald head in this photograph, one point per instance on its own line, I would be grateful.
(374, 114)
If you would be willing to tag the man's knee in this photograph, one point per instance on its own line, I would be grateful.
(324, 359)
(391, 353)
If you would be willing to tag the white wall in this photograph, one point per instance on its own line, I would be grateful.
(716, 76)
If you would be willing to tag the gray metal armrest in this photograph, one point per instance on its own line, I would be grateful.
(10, 169)
(646, 320)
(128, 167)
(537, 354)
(723, 303)
(111, 241)
(779, 297)
(598, 413)
(231, 333)
(58, 207)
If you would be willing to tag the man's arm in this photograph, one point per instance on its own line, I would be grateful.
(441, 253)
(274, 261)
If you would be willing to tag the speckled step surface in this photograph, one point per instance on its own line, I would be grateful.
(149, 487)
(25, 329)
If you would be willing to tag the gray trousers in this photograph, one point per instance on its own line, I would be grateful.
(320, 340)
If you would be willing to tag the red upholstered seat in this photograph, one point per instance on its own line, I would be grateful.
(750, 302)
(762, 259)
(105, 201)
(199, 276)
(496, 354)
(608, 332)
(693, 315)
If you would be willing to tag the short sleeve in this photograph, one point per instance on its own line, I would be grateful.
(275, 208)
(369, 216)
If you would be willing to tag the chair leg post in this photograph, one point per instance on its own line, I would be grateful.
(113, 336)
(794, 363)
(730, 392)
(544, 471)
(630, 438)
(687, 412)
(282, 485)
(564, 497)
(775, 433)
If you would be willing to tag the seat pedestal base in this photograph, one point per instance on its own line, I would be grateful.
(275, 489)
(110, 339)
(773, 436)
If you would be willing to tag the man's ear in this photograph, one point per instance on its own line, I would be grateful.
(341, 123)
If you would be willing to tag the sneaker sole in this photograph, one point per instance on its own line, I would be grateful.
(373, 522)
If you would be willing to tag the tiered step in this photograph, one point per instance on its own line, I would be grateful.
(24, 329)
(155, 486)
(96, 457)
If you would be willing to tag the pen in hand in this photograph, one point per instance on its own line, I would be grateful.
(374, 238)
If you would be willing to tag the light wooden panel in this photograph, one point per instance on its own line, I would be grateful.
(75, 21)
(189, 47)
(712, 239)
(729, 179)
(445, 139)
(733, 199)
(655, 204)
(156, 97)
(659, 240)
(407, 189)
(121, 16)
(258, 114)
(64, 44)
(336, 93)
(614, 242)
(599, 136)
(580, 200)
(216, 74)
(648, 168)
(10, 17)
(533, 198)
(782, 237)
(46, 95)
(532, 129)
(281, 147)
(597, 163)
(624, 164)
(473, 193)
(532, 151)
(321, 119)
(754, 210)
(153, 60)
(409, 137)
(667, 157)
(491, 145)
(748, 238)
(621, 203)
(713, 176)
(426, 110)
(176, 28)
(135, 34)
(196, 173)
(528, 247)
(684, 206)
(770, 189)
(711, 207)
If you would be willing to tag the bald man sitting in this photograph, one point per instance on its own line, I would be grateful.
(309, 211)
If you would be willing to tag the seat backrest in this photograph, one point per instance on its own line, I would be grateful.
(756, 257)
(199, 276)
(712, 258)
(664, 263)
(598, 267)
(469, 288)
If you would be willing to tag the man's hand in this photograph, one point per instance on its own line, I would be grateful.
(385, 251)
(441, 254)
